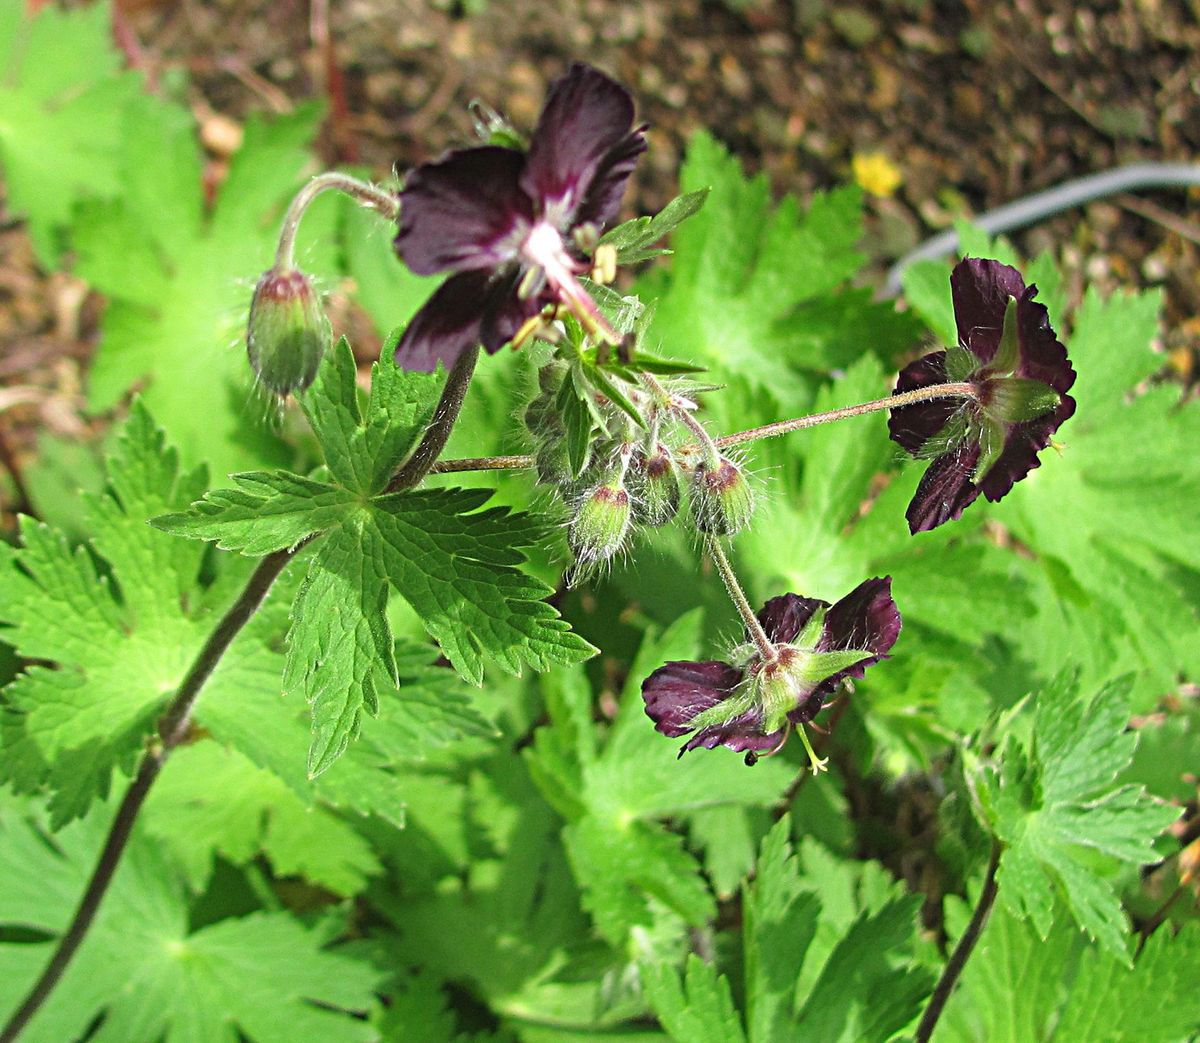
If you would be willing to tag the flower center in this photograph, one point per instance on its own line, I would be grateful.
(543, 248)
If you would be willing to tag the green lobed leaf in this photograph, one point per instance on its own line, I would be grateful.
(364, 448)
(744, 268)
(142, 967)
(176, 310)
(697, 1009)
(266, 512)
(115, 632)
(64, 106)
(1020, 986)
(1056, 810)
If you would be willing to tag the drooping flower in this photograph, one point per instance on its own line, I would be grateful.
(1020, 374)
(752, 704)
(507, 223)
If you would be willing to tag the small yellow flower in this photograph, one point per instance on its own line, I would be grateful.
(876, 173)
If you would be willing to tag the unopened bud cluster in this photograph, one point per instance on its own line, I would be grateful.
(629, 476)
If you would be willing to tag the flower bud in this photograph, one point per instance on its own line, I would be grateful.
(654, 484)
(288, 333)
(722, 500)
(601, 522)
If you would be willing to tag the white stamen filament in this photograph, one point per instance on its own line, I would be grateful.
(543, 247)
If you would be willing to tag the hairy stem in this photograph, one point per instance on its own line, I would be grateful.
(449, 405)
(379, 200)
(738, 596)
(782, 427)
(962, 951)
(174, 723)
(673, 405)
(907, 398)
(484, 463)
(172, 729)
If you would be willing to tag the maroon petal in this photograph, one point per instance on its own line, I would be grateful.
(1021, 447)
(677, 692)
(467, 309)
(742, 733)
(603, 200)
(913, 426)
(946, 489)
(582, 150)
(463, 212)
(981, 289)
(784, 617)
(866, 618)
(1043, 356)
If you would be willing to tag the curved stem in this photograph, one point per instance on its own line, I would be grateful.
(907, 398)
(962, 951)
(379, 200)
(437, 434)
(172, 729)
(753, 627)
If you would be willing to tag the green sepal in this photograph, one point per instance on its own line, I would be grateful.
(991, 446)
(1008, 351)
(633, 239)
(1015, 400)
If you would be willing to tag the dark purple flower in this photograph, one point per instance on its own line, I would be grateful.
(752, 707)
(1021, 376)
(504, 221)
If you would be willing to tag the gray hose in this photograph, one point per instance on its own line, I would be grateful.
(1040, 205)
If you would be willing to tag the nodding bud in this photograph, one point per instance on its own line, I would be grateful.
(654, 483)
(601, 522)
(722, 500)
(288, 333)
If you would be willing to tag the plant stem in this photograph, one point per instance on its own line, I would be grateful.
(484, 463)
(753, 627)
(783, 427)
(672, 404)
(383, 202)
(173, 725)
(425, 455)
(907, 398)
(962, 951)
(172, 729)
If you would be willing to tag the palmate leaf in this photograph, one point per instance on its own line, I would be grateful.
(116, 634)
(745, 274)
(63, 112)
(633, 871)
(828, 954)
(1053, 805)
(456, 565)
(264, 977)
(179, 287)
(1019, 987)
